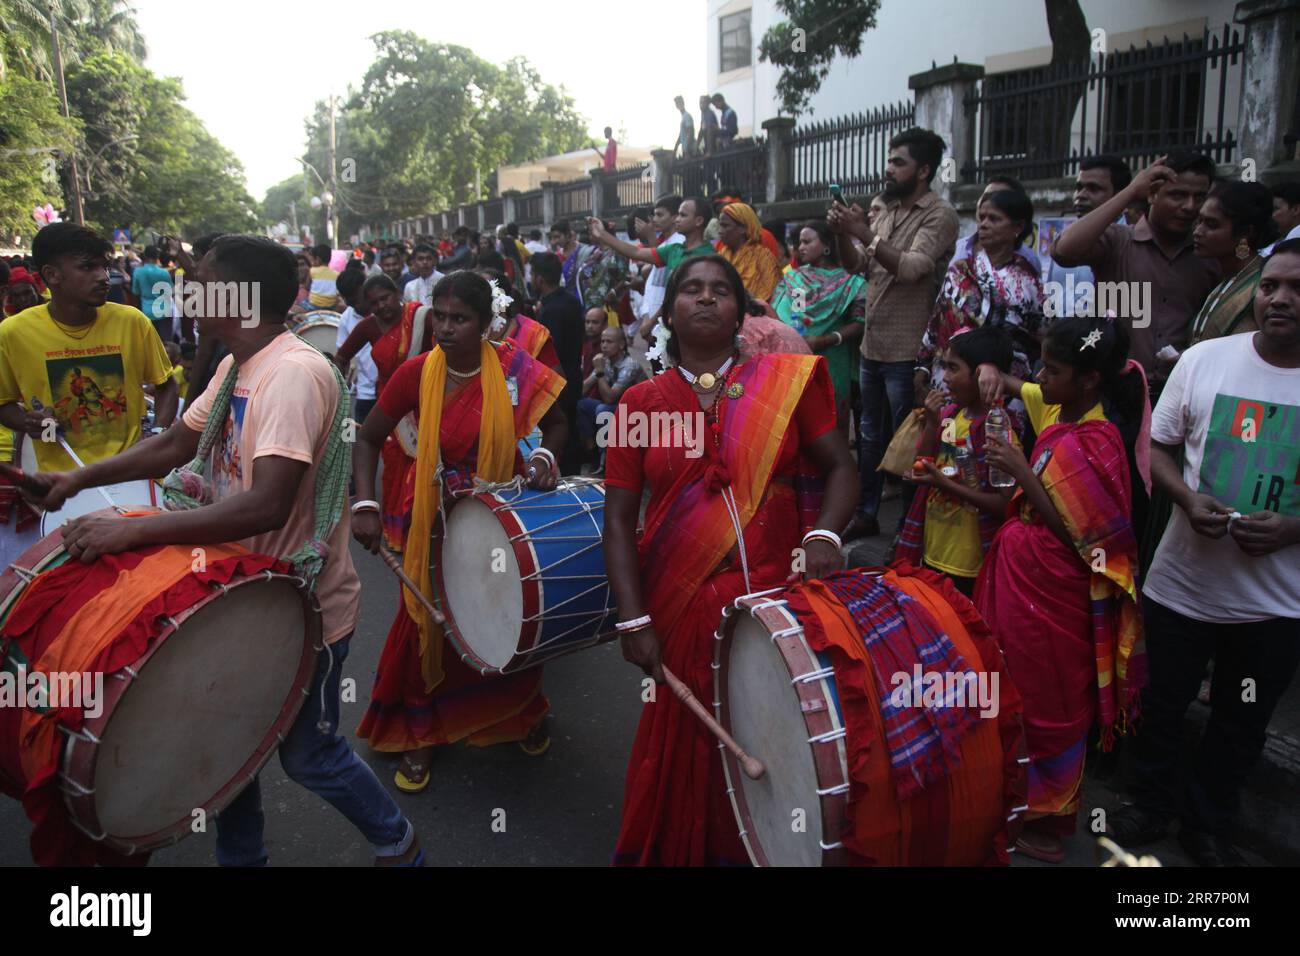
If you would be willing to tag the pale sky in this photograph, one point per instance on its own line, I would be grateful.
(252, 69)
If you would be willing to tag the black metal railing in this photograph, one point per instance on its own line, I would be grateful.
(573, 199)
(627, 189)
(528, 208)
(494, 211)
(849, 151)
(1136, 104)
(740, 170)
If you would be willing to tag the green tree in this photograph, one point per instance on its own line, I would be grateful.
(805, 45)
(148, 162)
(85, 27)
(33, 133)
(429, 125)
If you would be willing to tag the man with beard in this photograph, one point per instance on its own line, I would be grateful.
(1099, 179)
(1223, 582)
(905, 257)
(1155, 258)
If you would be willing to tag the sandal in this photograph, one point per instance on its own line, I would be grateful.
(537, 742)
(1046, 854)
(413, 775)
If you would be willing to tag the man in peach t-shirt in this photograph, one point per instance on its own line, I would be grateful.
(262, 474)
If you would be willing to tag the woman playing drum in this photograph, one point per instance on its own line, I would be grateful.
(769, 443)
(475, 400)
(388, 330)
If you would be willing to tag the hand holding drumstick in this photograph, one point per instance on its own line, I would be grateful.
(752, 767)
(395, 566)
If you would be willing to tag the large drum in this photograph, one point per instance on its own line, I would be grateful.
(783, 702)
(520, 574)
(320, 328)
(203, 664)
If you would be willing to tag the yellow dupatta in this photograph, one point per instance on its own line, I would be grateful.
(496, 460)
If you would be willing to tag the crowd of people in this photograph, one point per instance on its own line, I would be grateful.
(1111, 480)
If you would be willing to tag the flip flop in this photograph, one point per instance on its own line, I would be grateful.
(536, 743)
(1039, 853)
(405, 783)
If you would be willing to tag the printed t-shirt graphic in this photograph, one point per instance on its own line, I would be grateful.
(1252, 455)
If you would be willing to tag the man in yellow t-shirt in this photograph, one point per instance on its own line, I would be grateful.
(82, 358)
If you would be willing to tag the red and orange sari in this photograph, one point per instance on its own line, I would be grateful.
(423, 696)
(1068, 620)
(675, 807)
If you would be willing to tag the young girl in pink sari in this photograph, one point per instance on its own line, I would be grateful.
(1057, 587)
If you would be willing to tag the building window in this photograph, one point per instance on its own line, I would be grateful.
(736, 46)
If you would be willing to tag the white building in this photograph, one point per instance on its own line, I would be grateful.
(999, 35)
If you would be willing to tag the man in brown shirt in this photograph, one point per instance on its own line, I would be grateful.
(1153, 260)
(906, 255)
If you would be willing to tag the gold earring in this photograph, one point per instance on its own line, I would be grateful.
(1243, 248)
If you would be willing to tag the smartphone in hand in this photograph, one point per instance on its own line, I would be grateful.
(837, 195)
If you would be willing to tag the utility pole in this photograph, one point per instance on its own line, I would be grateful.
(293, 218)
(331, 220)
(78, 212)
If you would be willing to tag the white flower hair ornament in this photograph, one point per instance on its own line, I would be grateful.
(659, 351)
(500, 308)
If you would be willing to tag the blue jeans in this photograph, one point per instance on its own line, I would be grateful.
(588, 411)
(887, 397)
(326, 765)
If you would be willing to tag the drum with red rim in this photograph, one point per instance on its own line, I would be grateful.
(781, 700)
(204, 654)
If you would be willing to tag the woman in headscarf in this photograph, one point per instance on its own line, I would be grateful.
(826, 305)
(740, 242)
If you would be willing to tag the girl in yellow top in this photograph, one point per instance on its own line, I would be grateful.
(951, 527)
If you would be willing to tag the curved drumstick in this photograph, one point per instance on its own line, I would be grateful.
(753, 768)
(395, 566)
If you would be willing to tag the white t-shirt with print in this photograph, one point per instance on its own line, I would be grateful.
(1238, 420)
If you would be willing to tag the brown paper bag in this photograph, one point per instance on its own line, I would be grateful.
(901, 452)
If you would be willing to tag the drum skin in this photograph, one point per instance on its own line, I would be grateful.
(318, 328)
(520, 574)
(192, 720)
(969, 819)
(128, 494)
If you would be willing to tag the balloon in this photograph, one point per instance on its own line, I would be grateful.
(338, 260)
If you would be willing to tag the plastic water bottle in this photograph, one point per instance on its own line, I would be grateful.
(997, 425)
(966, 468)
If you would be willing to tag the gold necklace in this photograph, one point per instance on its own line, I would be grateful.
(86, 329)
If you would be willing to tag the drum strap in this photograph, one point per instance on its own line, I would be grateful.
(186, 487)
(417, 331)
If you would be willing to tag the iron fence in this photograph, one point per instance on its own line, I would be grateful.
(849, 151)
(528, 208)
(1136, 104)
(627, 189)
(741, 170)
(573, 199)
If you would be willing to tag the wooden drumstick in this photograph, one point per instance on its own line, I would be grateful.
(752, 767)
(395, 566)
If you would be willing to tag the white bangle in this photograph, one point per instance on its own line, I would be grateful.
(539, 451)
(839, 339)
(828, 536)
(366, 505)
(633, 625)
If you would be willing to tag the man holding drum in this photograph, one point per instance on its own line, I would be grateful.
(276, 399)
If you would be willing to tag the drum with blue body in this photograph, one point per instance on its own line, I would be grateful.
(520, 574)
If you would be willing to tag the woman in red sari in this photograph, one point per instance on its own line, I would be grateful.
(390, 331)
(1057, 586)
(470, 426)
(769, 444)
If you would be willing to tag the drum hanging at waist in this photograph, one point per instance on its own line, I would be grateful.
(197, 660)
(520, 574)
(783, 701)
